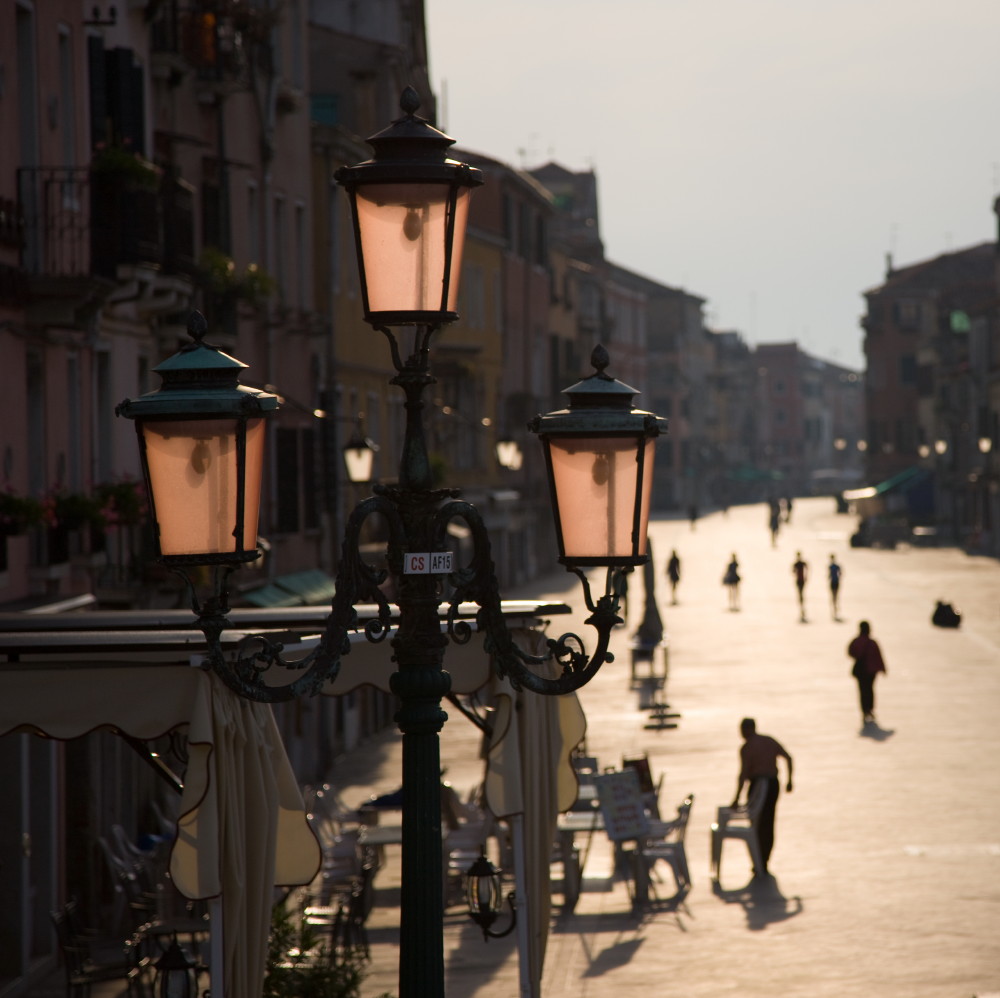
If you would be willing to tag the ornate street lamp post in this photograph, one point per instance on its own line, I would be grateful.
(409, 207)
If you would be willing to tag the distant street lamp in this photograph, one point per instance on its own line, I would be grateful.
(509, 454)
(409, 206)
(359, 457)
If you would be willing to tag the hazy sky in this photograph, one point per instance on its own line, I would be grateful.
(763, 154)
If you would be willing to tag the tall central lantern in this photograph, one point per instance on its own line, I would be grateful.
(410, 203)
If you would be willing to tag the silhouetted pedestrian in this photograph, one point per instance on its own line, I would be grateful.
(774, 522)
(835, 571)
(800, 570)
(868, 664)
(731, 580)
(759, 768)
(693, 514)
(674, 575)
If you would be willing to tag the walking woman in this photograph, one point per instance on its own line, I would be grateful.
(674, 575)
(867, 665)
(731, 580)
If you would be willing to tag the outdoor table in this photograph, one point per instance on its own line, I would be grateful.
(380, 835)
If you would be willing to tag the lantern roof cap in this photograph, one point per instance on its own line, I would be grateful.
(599, 404)
(600, 388)
(200, 380)
(410, 150)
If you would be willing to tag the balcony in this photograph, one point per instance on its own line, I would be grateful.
(82, 223)
(206, 37)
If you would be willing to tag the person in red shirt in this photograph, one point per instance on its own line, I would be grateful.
(759, 768)
(867, 665)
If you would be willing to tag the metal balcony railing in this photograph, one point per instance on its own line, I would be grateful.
(202, 34)
(79, 222)
(54, 203)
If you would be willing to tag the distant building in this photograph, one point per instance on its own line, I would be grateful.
(930, 343)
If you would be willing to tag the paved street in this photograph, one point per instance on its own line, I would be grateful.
(886, 868)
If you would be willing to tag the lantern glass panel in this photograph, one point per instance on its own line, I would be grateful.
(595, 484)
(193, 477)
(484, 894)
(359, 462)
(403, 235)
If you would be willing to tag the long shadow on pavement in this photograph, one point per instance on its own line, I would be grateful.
(762, 902)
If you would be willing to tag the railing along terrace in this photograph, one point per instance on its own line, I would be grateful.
(79, 221)
(55, 205)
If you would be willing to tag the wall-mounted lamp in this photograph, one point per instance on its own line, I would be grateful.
(484, 893)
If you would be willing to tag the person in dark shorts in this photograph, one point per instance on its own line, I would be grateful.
(759, 756)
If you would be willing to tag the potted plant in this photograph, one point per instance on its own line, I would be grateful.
(117, 164)
(18, 513)
(300, 964)
(65, 510)
(122, 503)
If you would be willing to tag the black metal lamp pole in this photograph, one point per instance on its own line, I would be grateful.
(409, 206)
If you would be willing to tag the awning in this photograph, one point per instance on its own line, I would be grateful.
(310, 588)
(904, 481)
(242, 828)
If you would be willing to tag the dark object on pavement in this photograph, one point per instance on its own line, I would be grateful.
(945, 615)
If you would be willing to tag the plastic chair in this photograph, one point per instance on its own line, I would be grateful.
(668, 844)
(650, 790)
(342, 862)
(738, 823)
(586, 768)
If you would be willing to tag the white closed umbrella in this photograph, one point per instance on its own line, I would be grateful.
(530, 781)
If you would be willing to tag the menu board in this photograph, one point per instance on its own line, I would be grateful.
(621, 805)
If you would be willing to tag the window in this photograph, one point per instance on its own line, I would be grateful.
(907, 314)
(67, 97)
(214, 230)
(126, 106)
(74, 434)
(908, 370)
(473, 297)
(541, 241)
(904, 437)
(253, 223)
(104, 430)
(509, 222)
(301, 268)
(286, 470)
(311, 480)
(280, 248)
